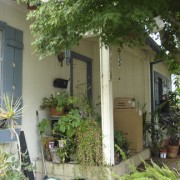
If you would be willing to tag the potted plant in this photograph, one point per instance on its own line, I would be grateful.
(12, 111)
(71, 147)
(43, 126)
(171, 122)
(158, 144)
(120, 141)
(62, 153)
(65, 131)
(55, 103)
(173, 146)
(68, 123)
(55, 155)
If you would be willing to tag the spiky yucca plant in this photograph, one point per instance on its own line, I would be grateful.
(4, 164)
(12, 111)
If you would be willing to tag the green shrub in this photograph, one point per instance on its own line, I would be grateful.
(89, 144)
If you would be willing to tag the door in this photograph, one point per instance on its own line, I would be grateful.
(79, 78)
(81, 75)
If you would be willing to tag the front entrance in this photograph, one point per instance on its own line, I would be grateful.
(81, 75)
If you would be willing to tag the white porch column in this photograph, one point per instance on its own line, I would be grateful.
(106, 106)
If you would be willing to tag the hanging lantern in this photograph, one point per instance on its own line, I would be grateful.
(119, 58)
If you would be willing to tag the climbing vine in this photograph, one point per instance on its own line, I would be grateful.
(58, 25)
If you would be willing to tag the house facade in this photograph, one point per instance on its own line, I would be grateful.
(110, 73)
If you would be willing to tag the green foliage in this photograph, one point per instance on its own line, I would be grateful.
(81, 130)
(43, 126)
(4, 163)
(9, 165)
(120, 139)
(59, 25)
(58, 101)
(170, 120)
(121, 142)
(63, 152)
(174, 99)
(69, 123)
(122, 153)
(14, 175)
(89, 144)
(11, 109)
(153, 172)
(173, 66)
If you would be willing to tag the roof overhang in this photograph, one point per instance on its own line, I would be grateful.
(157, 48)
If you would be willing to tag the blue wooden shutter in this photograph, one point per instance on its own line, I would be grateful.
(17, 76)
(12, 62)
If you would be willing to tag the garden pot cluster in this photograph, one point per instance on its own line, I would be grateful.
(74, 131)
(168, 126)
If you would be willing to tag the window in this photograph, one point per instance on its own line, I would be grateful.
(161, 88)
(11, 46)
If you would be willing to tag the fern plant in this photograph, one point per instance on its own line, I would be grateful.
(153, 172)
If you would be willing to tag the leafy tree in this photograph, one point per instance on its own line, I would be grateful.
(60, 24)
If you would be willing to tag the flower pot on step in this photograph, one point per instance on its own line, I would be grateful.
(173, 151)
(54, 112)
(54, 156)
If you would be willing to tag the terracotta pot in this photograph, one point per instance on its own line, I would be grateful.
(55, 113)
(173, 151)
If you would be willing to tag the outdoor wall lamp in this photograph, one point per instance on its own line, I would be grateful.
(66, 55)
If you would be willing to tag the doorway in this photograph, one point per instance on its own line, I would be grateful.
(81, 75)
